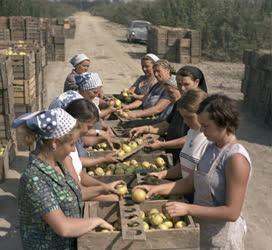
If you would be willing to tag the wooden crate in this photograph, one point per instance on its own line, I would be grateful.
(4, 22)
(4, 34)
(6, 72)
(23, 66)
(185, 238)
(4, 160)
(7, 100)
(24, 91)
(5, 127)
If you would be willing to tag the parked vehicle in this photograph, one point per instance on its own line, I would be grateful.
(138, 31)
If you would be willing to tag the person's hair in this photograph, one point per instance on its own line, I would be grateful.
(83, 110)
(222, 110)
(165, 64)
(195, 74)
(191, 99)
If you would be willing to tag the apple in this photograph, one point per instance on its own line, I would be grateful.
(163, 226)
(121, 153)
(146, 226)
(117, 103)
(159, 162)
(99, 171)
(180, 224)
(124, 94)
(134, 163)
(139, 141)
(104, 230)
(133, 144)
(142, 215)
(168, 223)
(119, 171)
(122, 189)
(156, 219)
(154, 211)
(138, 195)
(91, 173)
(126, 148)
(109, 172)
(145, 164)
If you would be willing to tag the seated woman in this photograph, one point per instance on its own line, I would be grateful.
(220, 181)
(188, 77)
(157, 101)
(81, 64)
(143, 84)
(49, 200)
(90, 87)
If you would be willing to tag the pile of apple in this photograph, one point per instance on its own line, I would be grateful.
(126, 95)
(115, 103)
(128, 147)
(99, 147)
(154, 219)
(128, 167)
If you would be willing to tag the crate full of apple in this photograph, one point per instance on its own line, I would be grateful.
(147, 221)
(129, 167)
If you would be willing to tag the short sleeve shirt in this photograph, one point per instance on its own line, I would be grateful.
(42, 190)
(70, 83)
(156, 93)
(143, 85)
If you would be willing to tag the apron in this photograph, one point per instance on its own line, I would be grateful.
(216, 234)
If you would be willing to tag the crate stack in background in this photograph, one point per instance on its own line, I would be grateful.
(45, 31)
(257, 84)
(69, 28)
(7, 134)
(175, 44)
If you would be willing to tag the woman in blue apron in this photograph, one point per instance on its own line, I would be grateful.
(157, 101)
(219, 182)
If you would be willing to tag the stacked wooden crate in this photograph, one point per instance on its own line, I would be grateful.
(4, 28)
(69, 28)
(17, 28)
(59, 42)
(33, 29)
(7, 135)
(257, 84)
(175, 44)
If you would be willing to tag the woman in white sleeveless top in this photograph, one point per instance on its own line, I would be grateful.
(219, 182)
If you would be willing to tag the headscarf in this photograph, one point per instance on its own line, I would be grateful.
(75, 60)
(88, 81)
(50, 124)
(196, 73)
(153, 57)
(65, 99)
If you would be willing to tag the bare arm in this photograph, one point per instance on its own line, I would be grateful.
(158, 108)
(159, 128)
(72, 227)
(70, 167)
(133, 105)
(171, 173)
(92, 162)
(237, 174)
(173, 144)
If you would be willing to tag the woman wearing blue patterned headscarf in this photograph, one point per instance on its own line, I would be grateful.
(49, 201)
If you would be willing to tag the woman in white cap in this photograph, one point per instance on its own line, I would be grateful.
(81, 64)
(49, 201)
(143, 83)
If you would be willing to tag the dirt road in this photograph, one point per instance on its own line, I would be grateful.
(118, 64)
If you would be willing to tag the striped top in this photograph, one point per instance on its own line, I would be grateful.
(193, 149)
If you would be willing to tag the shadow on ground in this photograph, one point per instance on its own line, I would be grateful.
(252, 129)
(9, 226)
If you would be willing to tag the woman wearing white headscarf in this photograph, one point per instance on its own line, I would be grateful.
(144, 82)
(81, 64)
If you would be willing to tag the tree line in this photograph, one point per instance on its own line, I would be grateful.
(227, 26)
(37, 8)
